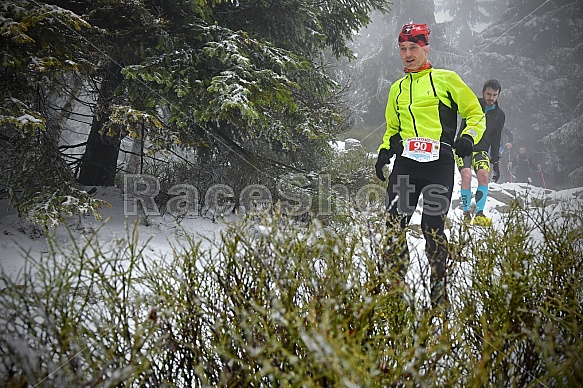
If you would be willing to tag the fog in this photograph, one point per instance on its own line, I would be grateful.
(533, 48)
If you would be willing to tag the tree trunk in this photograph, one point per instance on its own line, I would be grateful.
(99, 162)
(136, 156)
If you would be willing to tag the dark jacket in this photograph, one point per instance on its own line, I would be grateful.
(523, 165)
(495, 119)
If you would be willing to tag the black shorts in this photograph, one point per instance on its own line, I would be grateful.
(478, 161)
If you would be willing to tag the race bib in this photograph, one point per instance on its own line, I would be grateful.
(421, 149)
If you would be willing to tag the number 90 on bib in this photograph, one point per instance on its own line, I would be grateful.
(421, 149)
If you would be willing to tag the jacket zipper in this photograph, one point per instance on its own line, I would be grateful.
(410, 103)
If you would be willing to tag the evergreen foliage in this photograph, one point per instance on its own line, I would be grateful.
(226, 79)
(521, 50)
(468, 18)
(41, 46)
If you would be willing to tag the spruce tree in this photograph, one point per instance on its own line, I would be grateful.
(217, 78)
(535, 51)
(43, 58)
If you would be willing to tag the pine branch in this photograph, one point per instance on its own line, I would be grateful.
(65, 147)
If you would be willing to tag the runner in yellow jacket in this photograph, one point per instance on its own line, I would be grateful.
(421, 117)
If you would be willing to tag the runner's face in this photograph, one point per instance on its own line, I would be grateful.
(413, 55)
(490, 96)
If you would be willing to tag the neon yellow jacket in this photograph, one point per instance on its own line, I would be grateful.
(425, 104)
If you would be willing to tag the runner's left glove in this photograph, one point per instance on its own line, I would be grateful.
(496, 169)
(383, 158)
(464, 146)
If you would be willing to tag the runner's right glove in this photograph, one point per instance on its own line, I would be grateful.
(464, 146)
(383, 158)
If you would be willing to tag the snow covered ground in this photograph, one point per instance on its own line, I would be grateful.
(19, 238)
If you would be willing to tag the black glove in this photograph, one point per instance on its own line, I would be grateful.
(383, 158)
(496, 169)
(464, 146)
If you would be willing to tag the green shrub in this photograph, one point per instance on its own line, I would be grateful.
(277, 303)
(519, 307)
(77, 317)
